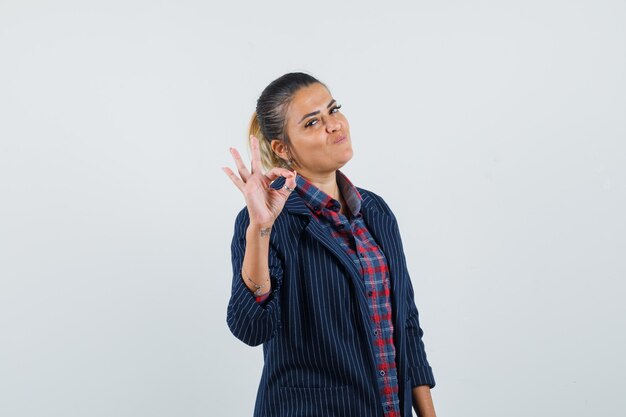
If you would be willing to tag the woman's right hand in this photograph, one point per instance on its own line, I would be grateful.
(264, 203)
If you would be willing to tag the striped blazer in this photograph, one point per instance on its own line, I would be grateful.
(315, 326)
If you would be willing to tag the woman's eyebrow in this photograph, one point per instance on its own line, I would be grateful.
(316, 111)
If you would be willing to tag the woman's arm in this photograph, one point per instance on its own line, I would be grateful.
(255, 261)
(423, 401)
(251, 322)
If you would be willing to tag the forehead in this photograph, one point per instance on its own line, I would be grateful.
(310, 98)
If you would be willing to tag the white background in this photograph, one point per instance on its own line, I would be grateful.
(494, 129)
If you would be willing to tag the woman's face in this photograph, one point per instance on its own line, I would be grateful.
(318, 131)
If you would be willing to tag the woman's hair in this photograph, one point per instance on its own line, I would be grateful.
(269, 119)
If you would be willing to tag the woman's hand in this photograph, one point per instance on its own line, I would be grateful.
(264, 203)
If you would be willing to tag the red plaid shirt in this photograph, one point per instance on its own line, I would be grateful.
(352, 234)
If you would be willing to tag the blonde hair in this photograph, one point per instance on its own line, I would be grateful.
(269, 158)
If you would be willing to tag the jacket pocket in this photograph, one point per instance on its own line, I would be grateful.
(314, 402)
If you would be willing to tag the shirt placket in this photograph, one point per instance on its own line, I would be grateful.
(381, 331)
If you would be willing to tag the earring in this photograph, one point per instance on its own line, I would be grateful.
(289, 161)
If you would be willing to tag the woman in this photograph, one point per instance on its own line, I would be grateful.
(319, 272)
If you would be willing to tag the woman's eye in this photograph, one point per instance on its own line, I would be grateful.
(314, 121)
(335, 109)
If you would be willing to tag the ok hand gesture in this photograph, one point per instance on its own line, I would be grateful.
(263, 202)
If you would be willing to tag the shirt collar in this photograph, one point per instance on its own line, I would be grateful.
(317, 200)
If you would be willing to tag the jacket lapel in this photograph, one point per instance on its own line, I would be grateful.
(295, 205)
(379, 224)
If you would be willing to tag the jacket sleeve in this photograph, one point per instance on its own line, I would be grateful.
(419, 369)
(250, 321)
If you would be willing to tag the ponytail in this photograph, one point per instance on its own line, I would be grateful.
(269, 159)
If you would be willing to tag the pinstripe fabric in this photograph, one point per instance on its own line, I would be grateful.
(356, 240)
(320, 358)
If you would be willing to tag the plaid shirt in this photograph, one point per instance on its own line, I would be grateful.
(352, 234)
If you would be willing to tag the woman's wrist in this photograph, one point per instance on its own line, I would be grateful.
(260, 288)
(260, 230)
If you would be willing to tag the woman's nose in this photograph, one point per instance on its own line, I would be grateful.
(332, 124)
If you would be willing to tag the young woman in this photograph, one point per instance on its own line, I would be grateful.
(319, 273)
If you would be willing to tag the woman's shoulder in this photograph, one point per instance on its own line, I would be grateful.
(372, 200)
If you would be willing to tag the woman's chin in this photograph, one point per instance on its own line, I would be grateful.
(348, 155)
(343, 161)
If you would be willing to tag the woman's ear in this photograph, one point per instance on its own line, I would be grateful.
(280, 149)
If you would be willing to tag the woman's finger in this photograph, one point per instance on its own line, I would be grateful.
(256, 155)
(290, 180)
(276, 172)
(241, 167)
(236, 180)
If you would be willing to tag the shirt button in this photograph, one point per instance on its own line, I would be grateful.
(382, 373)
(317, 208)
(387, 407)
(369, 293)
(375, 332)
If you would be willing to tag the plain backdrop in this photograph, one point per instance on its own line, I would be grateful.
(495, 130)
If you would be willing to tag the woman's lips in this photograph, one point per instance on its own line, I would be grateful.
(340, 139)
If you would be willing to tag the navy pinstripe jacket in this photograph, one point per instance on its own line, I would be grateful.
(315, 328)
